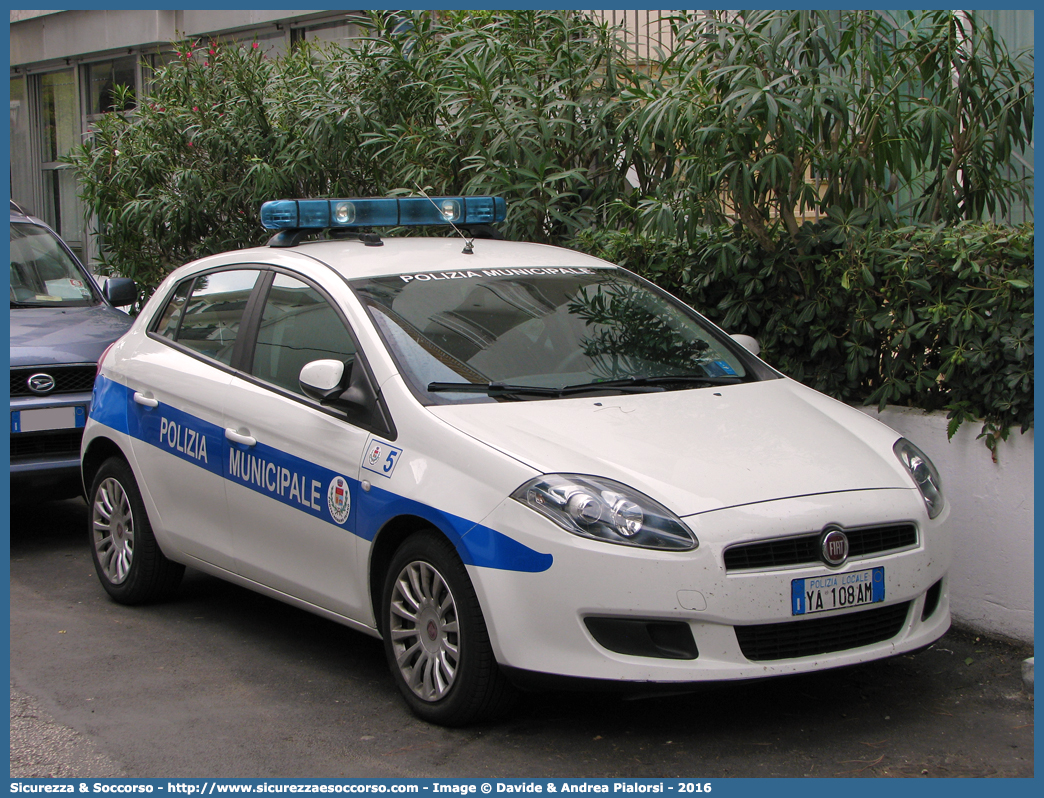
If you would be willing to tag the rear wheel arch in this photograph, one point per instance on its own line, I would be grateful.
(129, 562)
(98, 451)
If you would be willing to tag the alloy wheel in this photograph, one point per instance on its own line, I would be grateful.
(425, 634)
(112, 527)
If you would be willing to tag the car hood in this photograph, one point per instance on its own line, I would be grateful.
(696, 450)
(50, 336)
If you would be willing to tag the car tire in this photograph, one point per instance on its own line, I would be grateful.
(435, 638)
(127, 559)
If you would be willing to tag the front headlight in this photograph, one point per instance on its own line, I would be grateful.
(601, 509)
(923, 473)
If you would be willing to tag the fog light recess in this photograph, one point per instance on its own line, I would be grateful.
(639, 637)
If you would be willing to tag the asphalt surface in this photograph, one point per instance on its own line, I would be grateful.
(220, 682)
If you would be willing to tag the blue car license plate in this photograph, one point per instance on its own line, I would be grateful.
(837, 591)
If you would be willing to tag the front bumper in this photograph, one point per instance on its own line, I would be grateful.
(740, 621)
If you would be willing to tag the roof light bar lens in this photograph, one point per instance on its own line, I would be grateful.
(371, 212)
(381, 212)
(344, 212)
(437, 210)
(313, 213)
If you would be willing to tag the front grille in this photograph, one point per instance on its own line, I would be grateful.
(67, 379)
(807, 638)
(804, 550)
(59, 443)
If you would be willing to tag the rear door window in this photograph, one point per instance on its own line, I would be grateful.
(204, 314)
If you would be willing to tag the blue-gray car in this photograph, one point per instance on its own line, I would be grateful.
(61, 323)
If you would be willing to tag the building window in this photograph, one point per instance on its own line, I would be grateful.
(342, 32)
(22, 179)
(59, 132)
(60, 117)
(101, 79)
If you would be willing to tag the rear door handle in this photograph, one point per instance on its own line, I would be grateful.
(238, 437)
(145, 399)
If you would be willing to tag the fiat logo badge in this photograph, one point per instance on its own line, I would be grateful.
(834, 546)
(41, 383)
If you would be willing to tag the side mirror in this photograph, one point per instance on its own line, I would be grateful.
(323, 380)
(121, 291)
(748, 343)
(347, 387)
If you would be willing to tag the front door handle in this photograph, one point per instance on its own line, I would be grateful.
(238, 437)
(145, 399)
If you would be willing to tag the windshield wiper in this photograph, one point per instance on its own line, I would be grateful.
(629, 385)
(72, 303)
(626, 384)
(663, 379)
(493, 388)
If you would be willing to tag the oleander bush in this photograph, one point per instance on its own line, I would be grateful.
(934, 317)
(691, 168)
(524, 105)
(223, 127)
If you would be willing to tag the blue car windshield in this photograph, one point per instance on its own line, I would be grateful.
(43, 274)
(503, 335)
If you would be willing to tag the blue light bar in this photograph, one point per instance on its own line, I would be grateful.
(321, 214)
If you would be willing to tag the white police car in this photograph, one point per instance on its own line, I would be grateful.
(508, 460)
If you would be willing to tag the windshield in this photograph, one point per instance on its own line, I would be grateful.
(42, 272)
(512, 334)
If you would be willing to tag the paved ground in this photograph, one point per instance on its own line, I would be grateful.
(43, 748)
(223, 683)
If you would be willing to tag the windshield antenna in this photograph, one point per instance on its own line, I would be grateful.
(469, 249)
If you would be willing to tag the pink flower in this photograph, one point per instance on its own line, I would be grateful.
(195, 108)
(255, 45)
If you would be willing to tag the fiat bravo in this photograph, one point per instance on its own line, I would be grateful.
(511, 462)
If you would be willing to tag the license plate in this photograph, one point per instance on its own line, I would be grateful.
(48, 418)
(837, 591)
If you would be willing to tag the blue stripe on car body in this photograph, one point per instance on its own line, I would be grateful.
(298, 483)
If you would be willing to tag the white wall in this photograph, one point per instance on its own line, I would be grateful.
(991, 518)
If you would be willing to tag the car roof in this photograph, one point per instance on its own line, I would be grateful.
(354, 259)
(21, 215)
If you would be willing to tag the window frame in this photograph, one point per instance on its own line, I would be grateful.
(243, 322)
(250, 355)
(241, 364)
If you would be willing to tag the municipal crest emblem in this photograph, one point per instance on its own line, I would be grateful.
(339, 499)
(375, 454)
